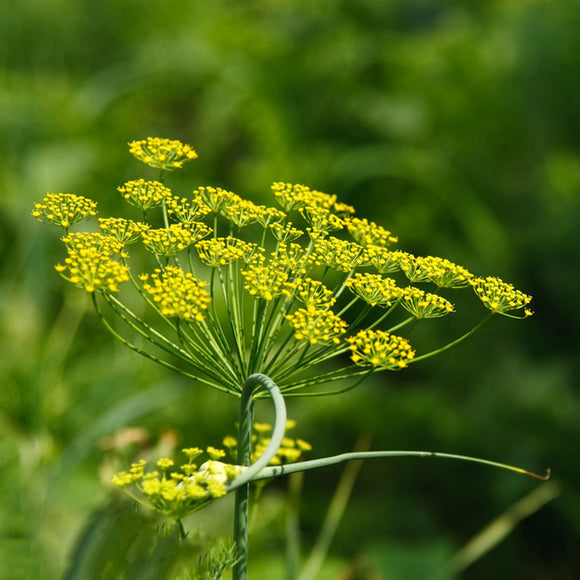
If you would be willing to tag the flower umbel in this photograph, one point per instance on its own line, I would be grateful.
(64, 209)
(167, 154)
(176, 494)
(232, 288)
(500, 296)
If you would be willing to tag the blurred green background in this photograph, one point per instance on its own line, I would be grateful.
(454, 124)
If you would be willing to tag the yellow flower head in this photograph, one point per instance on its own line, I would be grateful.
(369, 233)
(217, 252)
(380, 350)
(93, 271)
(145, 194)
(313, 293)
(177, 293)
(387, 261)
(500, 297)
(177, 237)
(166, 154)
(440, 271)
(424, 305)
(187, 211)
(316, 325)
(374, 289)
(182, 492)
(64, 209)
(82, 242)
(340, 255)
(126, 231)
(267, 282)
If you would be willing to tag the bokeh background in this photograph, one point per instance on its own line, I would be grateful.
(454, 124)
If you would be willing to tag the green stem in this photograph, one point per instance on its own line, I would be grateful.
(241, 483)
(453, 343)
(277, 470)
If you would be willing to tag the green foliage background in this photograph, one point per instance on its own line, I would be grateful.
(454, 124)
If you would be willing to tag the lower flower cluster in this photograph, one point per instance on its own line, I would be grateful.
(179, 493)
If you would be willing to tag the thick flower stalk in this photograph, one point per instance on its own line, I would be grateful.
(303, 290)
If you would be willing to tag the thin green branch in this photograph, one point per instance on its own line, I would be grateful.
(275, 471)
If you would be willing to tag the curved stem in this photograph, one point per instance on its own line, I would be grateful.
(241, 483)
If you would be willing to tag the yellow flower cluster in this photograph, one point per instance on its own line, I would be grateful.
(81, 242)
(267, 282)
(285, 232)
(380, 350)
(295, 197)
(89, 264)
(166, 154)
(369, 233)
(290, 257)
(313, 293)
(423, 304)
(169, 241)
(386, 261)
(374, 289)
(215, 198)
(177, 293)
(187, 211)
(316, 325)
(290, 451)
(181, 492)
(321, 219)
(217, 252)
(340, 255)
(440, 271)
(300, 283)
(126, 231)
(145, 194)
(64, 209)
(499, 296)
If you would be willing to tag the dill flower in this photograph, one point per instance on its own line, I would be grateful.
(374, 289)
(182, 492)
(242, 212)
(166, 154)
(500, 297)
(440, 271)
(386, 261)
(217, 252)
(369, 233)
(313, 293)
(169, 241)
(215, 198)
(321, 219)
(177, 293)
(269, 216)
(64, 209)
(295, 196)
(125, 231)
(423, 304)
(340, 255)
(380, 350)
(102, 244)
(285, 232)
(296, 318)
(145, 194)
(93, 270)
(187, 211)
(291, 258)
(267, 282)
(316, 325)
